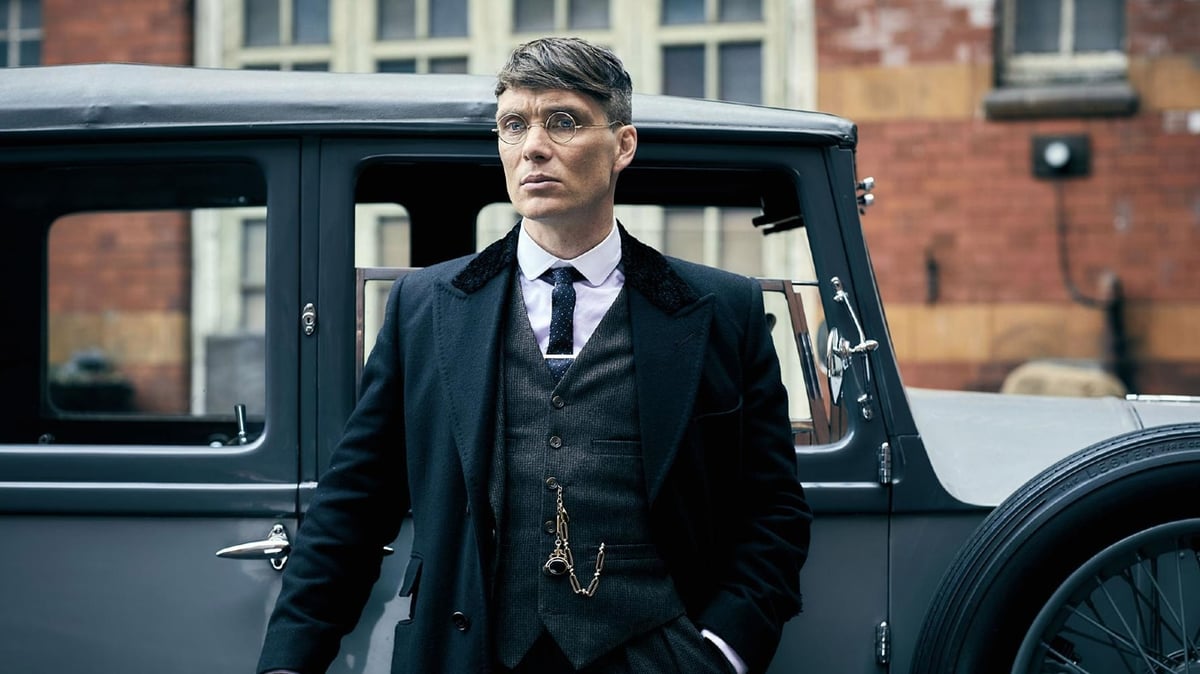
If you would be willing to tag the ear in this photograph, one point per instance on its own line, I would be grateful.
(626, 147)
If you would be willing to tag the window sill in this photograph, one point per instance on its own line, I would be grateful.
(1109, 99)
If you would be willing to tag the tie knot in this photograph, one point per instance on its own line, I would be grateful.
(561, 275)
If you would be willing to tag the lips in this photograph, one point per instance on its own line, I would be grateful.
(536, 178)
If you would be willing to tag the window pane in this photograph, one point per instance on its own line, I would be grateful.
(3, 14)
(683, 71)
(3, 53)
(118, 296)
(741, 10)
(448, 18)
(589, 14)
(448, 65)
(533, 15)
(317, 67)
(684, 233)
(31, 53)
(254, 252)
(682, 11)
(397, 66)
(393, 241)
(261, 66)
(397, 19)
(741, 72)
(382, 238)
(311, 24)
(741, 242)
(31, 14)
(254, 275)
(262, 23)
(145, 280)
(1099, 25)
(1038, 24)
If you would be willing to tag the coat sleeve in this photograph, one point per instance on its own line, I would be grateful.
(357, 509)
(759, 589)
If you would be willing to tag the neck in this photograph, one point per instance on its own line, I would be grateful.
(568, 241)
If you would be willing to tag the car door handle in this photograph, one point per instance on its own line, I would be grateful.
(275, 548)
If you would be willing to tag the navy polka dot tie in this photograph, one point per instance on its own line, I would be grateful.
(560, 352)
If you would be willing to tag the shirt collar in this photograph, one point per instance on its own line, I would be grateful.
(596, 264)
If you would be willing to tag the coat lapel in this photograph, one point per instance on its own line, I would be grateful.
(467, 318)
(670, 325)
(668, 354)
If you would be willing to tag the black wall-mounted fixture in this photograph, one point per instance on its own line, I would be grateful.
(1062, 156)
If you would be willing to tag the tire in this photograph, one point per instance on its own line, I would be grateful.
(1091, 539)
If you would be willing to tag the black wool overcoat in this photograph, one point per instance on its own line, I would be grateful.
(727, 510)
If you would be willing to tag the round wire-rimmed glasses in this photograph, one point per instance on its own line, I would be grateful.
(560, 126)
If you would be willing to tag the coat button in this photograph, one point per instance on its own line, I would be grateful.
(555, 441)
(461, 622)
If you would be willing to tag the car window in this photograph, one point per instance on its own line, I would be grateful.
(153, 304)
(673, 210)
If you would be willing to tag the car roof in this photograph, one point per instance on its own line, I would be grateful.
(153, 99)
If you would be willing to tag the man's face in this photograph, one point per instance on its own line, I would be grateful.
(556, 184)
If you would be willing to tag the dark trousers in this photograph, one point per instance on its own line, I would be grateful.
(675, 648)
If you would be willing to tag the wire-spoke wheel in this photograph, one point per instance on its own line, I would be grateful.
(1134, 608)
(1089, 568)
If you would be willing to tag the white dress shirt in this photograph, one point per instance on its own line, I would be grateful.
(602, 282)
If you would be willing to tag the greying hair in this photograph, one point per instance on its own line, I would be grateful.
(571, 64)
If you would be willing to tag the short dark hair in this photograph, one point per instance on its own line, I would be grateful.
(572, 64)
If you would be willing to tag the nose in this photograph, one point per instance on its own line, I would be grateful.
(536, 143)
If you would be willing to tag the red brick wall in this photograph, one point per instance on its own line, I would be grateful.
(1163, 26)
(871, 32)
(133, 31)
(959, 189)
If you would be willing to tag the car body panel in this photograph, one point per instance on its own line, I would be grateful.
(968, 436)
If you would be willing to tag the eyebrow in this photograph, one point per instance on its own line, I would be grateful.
(580, 114)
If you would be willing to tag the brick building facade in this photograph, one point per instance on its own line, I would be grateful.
(982, 265)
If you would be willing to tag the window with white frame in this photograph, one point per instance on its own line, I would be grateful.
(421, 36)
(20, 33)
(1062, 41)
(559, 15)
(713, 49)
(420, 19)
(285, 35)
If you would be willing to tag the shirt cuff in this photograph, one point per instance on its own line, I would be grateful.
(731, 655)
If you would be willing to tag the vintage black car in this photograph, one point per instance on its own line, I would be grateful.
(194, 262)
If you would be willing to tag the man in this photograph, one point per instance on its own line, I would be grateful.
(605, 488)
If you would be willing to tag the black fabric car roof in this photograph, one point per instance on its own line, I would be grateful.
(148, 99)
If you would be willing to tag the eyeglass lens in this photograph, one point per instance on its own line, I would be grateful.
(559, 125)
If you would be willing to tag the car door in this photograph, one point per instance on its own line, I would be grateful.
(150, 376)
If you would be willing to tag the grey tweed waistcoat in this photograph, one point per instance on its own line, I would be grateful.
(583, 433)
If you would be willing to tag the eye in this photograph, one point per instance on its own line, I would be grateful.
(560, 121)
(512, 125)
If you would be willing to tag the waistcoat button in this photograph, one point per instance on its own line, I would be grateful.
(550, 527)
(551, 483)
(558, 402)
(555, 441)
